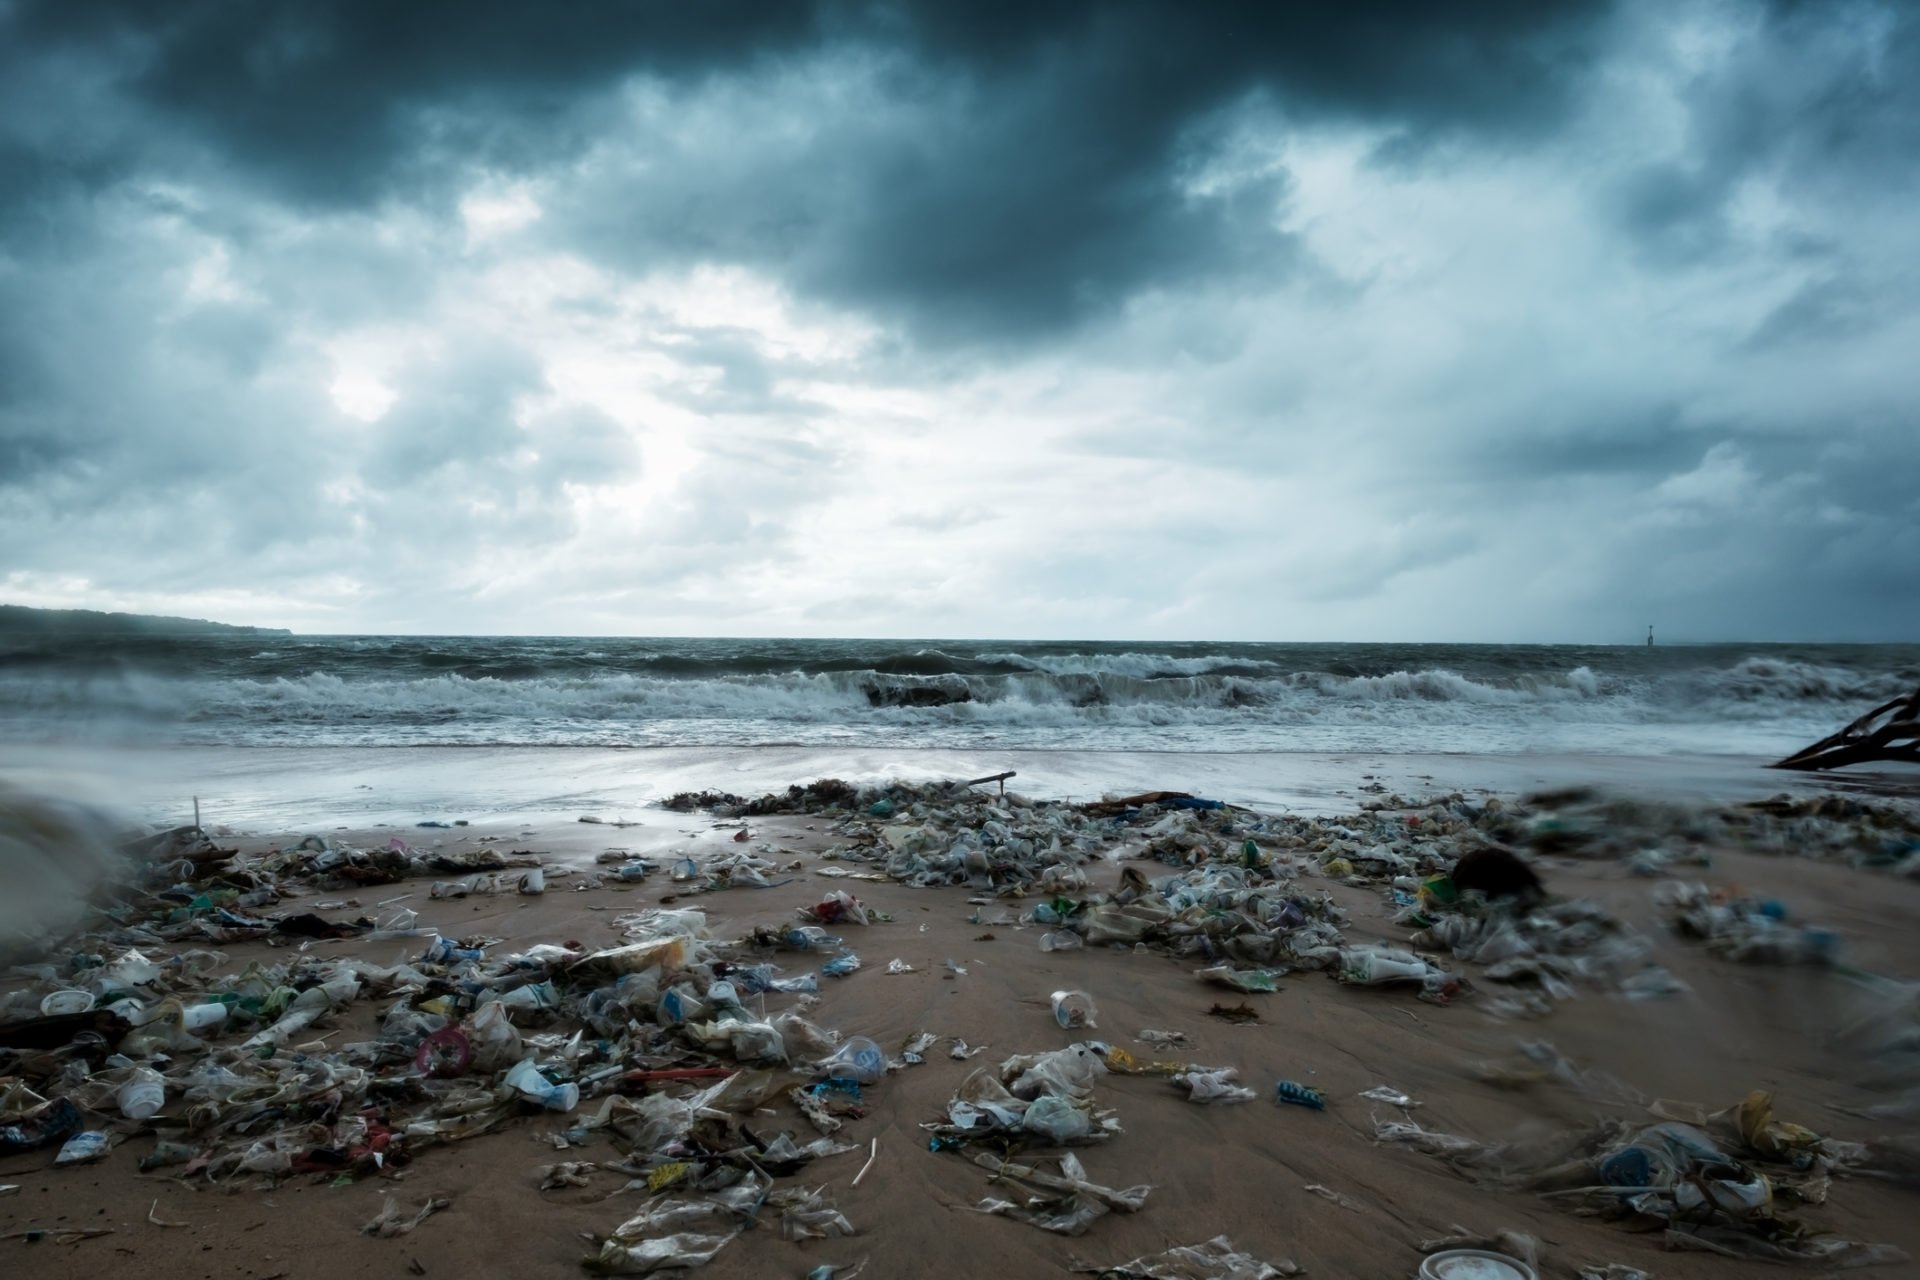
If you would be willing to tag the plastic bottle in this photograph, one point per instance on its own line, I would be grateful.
(203, 1019)
(1384, 966)
(1300, 1095)
(144, 1093)
(446, 951)
(1061, 940)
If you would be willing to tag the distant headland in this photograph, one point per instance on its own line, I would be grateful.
(21, 620)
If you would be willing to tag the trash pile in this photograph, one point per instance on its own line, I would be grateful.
(1240, 897)
(653, 1060)
(1543, 948)
(1655, 836)
(1714, 1183)
(659, 1048)
(1748, 930)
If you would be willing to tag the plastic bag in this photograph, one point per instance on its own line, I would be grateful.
(1214, 1086)
(1055, 1118)
(648, 1256)
(495, 1040)
(1069, 1072)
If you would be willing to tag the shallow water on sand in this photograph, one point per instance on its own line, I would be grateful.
(284, 788)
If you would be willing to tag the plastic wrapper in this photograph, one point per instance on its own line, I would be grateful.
(1214, 1259)
(668, 1253)
(1069, 1072)
(1213, 1086)
(1056, 1119)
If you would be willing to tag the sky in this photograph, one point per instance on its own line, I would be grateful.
(1517, 321)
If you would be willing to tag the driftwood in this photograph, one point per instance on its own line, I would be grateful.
(1888, 732)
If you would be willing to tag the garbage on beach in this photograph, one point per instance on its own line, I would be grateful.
(1746, 930)
(1722, 1186)
(1214, 1259)
(676, 1039)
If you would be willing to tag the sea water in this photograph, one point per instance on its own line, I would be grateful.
(300, 730)
(961, 695)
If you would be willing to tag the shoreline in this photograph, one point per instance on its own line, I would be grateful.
(279, 788)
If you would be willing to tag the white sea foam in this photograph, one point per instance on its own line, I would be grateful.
(1100, 701)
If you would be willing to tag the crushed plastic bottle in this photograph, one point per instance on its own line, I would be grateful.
(1300, 1095)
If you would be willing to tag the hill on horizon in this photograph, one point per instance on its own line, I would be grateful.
(20, 619)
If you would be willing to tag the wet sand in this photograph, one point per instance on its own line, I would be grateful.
(1235, 1170)
(282, 789)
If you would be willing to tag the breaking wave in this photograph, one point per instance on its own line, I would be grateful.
(402, 691)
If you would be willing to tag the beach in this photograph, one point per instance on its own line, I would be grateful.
(1235, 1170)
(1328, 787)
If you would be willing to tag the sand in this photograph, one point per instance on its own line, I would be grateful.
(1234, 1170)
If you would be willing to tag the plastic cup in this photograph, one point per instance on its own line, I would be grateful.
(534, 882)
(1373, 966)
(1073, 1009)
(203, 1018)
(858, 1059)
(59, 1002)
(142, 1096)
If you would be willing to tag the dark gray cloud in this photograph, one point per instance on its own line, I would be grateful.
(1820, 97)
(1041, 190)
(1278, 319)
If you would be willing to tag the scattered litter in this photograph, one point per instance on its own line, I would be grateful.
(1073, 1009)
(1328, 1193)
(84, 1148)
(1474, 1264)
(873, 1153)
(1234, 1013)
(1299, 1095)
(1746, 930)
(1213, 1085)
(568, 1173)
(1508, 1245)
(900, 966)
(392, 1219)
(1214, 1259)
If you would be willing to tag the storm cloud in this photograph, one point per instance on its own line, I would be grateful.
(1515, 321)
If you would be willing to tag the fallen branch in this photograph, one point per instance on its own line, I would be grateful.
(1890, 731)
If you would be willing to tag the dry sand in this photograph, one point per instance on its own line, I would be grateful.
(1238, 1170)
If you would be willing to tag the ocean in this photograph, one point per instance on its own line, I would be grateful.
(418, 691)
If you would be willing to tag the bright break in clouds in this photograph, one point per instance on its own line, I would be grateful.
(1512, 321)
